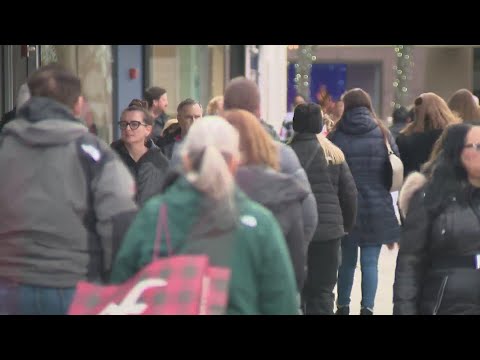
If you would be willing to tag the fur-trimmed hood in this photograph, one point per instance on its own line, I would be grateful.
(413, 183)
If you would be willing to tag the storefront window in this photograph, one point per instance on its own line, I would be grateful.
(195, 71)
(93, 65)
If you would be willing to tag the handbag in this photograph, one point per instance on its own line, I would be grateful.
(175, 285)
(395, 166)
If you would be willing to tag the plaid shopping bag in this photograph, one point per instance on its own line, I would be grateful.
(176, 285)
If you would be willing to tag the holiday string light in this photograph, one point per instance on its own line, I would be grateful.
(303, 69)
(402, 74)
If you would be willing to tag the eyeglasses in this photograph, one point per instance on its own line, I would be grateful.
(134, 125)
(476, 147)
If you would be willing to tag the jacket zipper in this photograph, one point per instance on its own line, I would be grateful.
(440, 295)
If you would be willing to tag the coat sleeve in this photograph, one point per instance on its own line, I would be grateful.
(347, 195)
(412, 258)
(113, 200)
(297, 246)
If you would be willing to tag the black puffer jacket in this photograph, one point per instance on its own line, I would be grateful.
(346, 190)
(330, 221)
(149, 171)
(415, 149)
(429, 278)
(282, 194)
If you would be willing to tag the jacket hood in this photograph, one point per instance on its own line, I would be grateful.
(268, 187)
(357, 121)
(414, 182)
(45, 122)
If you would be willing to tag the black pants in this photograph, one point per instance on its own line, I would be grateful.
(323, 261)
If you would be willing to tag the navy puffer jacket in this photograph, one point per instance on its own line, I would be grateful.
(362, 142)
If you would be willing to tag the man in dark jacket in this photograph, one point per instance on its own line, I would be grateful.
(244, 94)
(157, 101)
(325, 247)
(67, 200)
(401, 117)
(188, 111)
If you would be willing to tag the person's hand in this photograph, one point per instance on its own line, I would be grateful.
(392, 246)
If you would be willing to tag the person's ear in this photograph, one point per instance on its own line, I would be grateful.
(78, 106)
(149, 129)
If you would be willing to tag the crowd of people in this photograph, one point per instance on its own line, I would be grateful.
(289, 213)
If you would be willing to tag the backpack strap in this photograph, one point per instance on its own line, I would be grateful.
(311, 158)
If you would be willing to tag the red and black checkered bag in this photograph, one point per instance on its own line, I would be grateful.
(176, 285)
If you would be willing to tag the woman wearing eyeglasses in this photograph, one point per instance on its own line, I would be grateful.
(144, 159)
(439, 258)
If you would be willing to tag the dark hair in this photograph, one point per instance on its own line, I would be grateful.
(139, 103)
(147, 118)
(448, 175)
(242, 93)
(400, 115)
(185, 103)
(56, 82)
(411, 114)
(154, 93)
(355, 98)
(307, 118)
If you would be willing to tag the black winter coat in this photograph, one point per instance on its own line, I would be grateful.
(282, 194)
(330, 221)
(149, 171)
(346, 190)
(415, 149)
(436, 272)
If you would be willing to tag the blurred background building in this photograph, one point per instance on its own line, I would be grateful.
(112, 75)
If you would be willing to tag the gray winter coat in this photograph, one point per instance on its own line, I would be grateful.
(49, 235)
(283, 195)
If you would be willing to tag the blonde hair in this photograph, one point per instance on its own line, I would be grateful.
(256, 145)
(210, 144)
(431, 112)
(328, 122)
(333, 154)
(213, 107)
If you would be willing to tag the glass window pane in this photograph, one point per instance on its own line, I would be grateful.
(93, 65)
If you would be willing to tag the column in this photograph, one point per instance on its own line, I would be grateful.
(273, 83)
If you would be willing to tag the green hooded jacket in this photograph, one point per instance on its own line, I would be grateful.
(262, 279)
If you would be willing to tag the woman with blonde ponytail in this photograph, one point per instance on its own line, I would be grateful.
(336, 209)
(207, 214)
